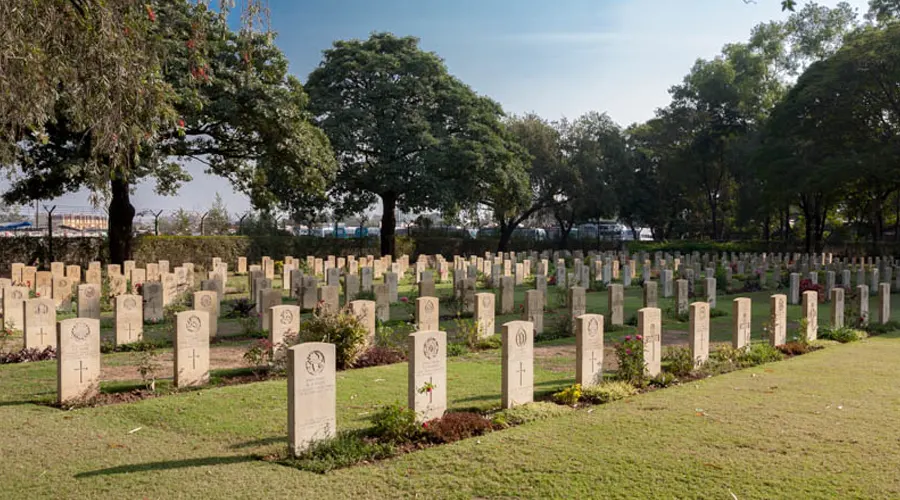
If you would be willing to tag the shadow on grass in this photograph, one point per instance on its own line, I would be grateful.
(259, 442)
(168, 465)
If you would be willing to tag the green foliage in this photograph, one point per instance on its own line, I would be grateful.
(882, 328)
(678, 361)
(630, 354)
(343, 330)
(717, 313)
(664, 379)
(843, 335)
(608, 391)
(395, 424)
(728, 359)
(568, 396)
(346, 449)
(531, 412)
(492, 342)
(149, 367)
(455, 349)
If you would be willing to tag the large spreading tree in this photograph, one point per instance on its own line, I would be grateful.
(228, 103)
(405, 131)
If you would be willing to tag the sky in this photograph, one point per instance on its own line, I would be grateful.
(556, 58)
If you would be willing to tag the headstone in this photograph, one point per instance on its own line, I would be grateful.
(365, 275)
(191, 348)
(382, 302)
(534, 310)
(169, 288)
(268, 298)
(518, 364)
(242, 265)
(391, 280)
(427, 381)
(884, 303)
(13, 313)
(208, 301)
(589, 349)
(312, 395)
(795, 289)
(73, 273)
(43, 284)
(89, 301)
(778, 319)
(427, 314)
(309, 295)
(577, 304)
(651, 293)
(129, 316)
(616, 304)
(741, 316)
(333, 277)
(484, 314)
(699, 332)
(39, 323)
(138, 278)
(667, 283)
(426, 285)
(650, 329)
(863, 292)
(365, 312)
(681, 297)
(711, 292)
(507, 295)
(837, 307)
(811, 314)
(153, 273)
(284, 320)
(77, 359)
(152, 293)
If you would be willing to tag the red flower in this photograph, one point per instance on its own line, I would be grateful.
(190, 44)
(627, 338)
(404, 299)
(639, 337)
(150, 14)
(181, 123)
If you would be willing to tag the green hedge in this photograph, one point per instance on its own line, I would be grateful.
(36, 251)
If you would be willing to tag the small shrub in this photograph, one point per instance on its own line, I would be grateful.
(395, 424)
(346, 449)
(806, 285)
(678, 361)
(608, 391)
(568, 396)
(761, 353)
(794, 348)
(170, 312)
(530, 412)
(468, 331)
(882, 328)
(148, 367)
(241, 308)
(842, 335)
(250, 327)
(343, 330)
(456, 349)
(368, 295)
(631, 321)
(670, 313)
(717, 313)
(564, 326)
(664, 379)
(492, 342)
(28, 355)
(630, 354)
(456, 426)
(378, 356)
(259, 355)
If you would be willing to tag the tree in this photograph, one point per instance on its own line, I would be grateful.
(241, 114)
(405, 131)
(534, 179)
(217, 221)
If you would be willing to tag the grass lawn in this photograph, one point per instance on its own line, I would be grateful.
(821, 425)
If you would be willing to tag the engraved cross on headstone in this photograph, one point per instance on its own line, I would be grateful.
(593, 361)
(521, 372)
(81, 369)
(194, 357)
(431, 392)
(42, 334)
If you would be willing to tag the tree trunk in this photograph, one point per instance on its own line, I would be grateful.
(388, 224)
(121, 222)
(506, 231)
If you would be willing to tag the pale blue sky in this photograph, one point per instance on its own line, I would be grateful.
(560, 58)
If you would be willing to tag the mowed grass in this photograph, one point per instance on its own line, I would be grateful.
(822, 425)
